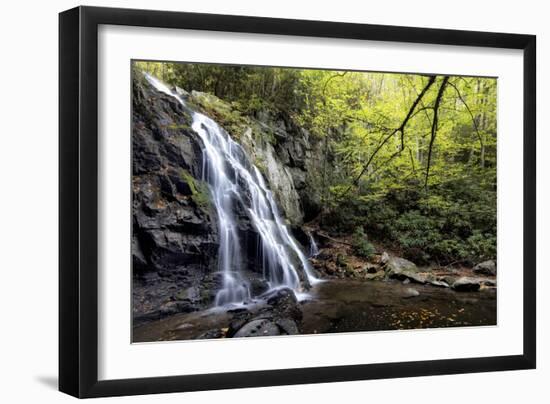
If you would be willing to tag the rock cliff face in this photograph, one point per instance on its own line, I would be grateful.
(175, 233)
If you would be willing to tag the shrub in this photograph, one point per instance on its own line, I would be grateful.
(361, 245)
(454, 222)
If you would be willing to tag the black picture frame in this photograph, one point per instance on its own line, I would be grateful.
(78, 201)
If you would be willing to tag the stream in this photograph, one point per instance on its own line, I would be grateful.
(348, 306)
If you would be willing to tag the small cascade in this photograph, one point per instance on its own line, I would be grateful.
(313, 249)
(232, 180)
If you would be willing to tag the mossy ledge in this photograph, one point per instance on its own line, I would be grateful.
(200, 193)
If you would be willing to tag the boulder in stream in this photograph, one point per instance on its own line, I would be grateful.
(258, 328)
(281, 316)
(486, 268)
(466, 284)
(284, 304)
(397, 267)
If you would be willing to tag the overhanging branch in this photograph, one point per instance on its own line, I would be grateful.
(400, 129)
(434, 127)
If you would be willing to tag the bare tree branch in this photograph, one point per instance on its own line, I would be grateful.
(474, 123)
(400, 129)
(331, 78)
(434, 127)
(422, 105)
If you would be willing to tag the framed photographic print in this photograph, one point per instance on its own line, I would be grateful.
(250, 201)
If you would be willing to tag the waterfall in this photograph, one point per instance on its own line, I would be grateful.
(313, 249)
(232, 179)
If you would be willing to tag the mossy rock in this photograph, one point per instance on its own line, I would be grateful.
(176, 126)
(341, 260)
(222, 112)
(199, 190)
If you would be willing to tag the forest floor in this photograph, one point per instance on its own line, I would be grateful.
(337, 260)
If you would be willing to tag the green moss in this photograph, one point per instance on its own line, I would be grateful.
(199, 190)
(175, 126)
(341, 260)
(232, 117)
(223, 113)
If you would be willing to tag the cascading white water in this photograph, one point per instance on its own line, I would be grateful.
(233, 179)
(313, 249)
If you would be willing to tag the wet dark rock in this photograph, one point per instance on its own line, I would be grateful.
(466, 284)
(486, 268)
(258, 286)
(281, 315)
(287, 309)
(139, 262)
(287, 326)
(323, 256)
(311, 204)
(300, 234)
(258, 328)
(282, 299)
(372, 268)
(238, 310)
(236, 324)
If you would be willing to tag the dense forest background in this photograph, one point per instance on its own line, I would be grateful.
(409, 160)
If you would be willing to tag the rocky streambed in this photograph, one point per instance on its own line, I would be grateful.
(336, 305)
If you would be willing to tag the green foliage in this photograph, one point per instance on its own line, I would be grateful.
(455, 222)
(482, 246)
(251, 89)
(361, 245)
